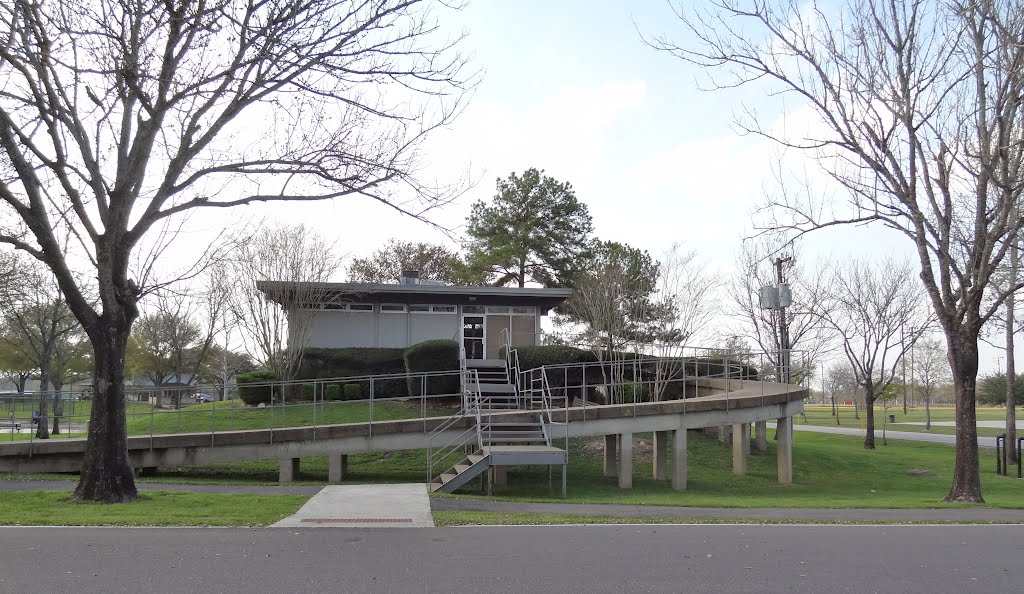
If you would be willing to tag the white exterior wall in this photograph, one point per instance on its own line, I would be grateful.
(392, 330)
(340, 329)
(431, 326)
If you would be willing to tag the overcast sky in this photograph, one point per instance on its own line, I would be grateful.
(569, 87)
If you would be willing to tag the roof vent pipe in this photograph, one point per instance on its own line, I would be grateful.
(410, 277)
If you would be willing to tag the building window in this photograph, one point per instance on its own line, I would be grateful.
(392, 308)
(492, 309)
(443, 309)
(524, 311)
(472, 309)
(360, 307)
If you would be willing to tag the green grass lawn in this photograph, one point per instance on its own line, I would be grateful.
(830, 471)
(234, 415)
(157, 508)
(816, 414)
(471, 518)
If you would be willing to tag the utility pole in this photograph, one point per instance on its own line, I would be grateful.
(783, 323)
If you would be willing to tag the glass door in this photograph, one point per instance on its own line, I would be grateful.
(473, 336)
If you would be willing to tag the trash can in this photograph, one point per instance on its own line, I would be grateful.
(892, 418)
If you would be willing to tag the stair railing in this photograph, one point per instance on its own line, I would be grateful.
(511, 360)
(471, 399)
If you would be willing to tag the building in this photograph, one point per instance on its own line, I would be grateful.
(336, 315)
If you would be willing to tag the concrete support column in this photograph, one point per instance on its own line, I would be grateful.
(626, 461)
(337, 467)
(289, 470)
(611, 446)
(784, 437)
(660, 455)
(501, 475)
(761, 435)
(740, 447)
(725, 433)
(679, 460)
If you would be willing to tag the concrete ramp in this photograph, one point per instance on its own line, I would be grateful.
(364, 506)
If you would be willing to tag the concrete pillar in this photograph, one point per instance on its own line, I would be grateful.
(784, 437)
(501, 475)
(725, 434)
(740, 447)
(289, 470)
(626, 461)
(337, 467)
(660, 455)
(679, 459)
(761, 435)
(611, 445)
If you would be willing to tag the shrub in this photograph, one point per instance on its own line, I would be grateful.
(253, 395)
(433, 355)
(357, 361)
(348, 392)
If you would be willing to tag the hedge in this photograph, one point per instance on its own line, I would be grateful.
(433, 355)
(356, 361)
(253, 395)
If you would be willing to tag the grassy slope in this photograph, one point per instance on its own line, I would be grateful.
(822, 415)
(233, 415)
(158, 508)
(830, 471)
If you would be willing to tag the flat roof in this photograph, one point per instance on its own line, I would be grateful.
(432, 294)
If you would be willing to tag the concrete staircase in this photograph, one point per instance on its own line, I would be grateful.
(499, 443)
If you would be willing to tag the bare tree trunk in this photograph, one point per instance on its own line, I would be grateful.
(869, 414)
(58, 407)
(928, 413)
(43, 424)
(106, 470)
(963, 361)
(1011, 376)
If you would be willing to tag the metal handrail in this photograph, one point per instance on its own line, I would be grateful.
(471, 407)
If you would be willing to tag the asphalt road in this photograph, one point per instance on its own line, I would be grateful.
(515, 559)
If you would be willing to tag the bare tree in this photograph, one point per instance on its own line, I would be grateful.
(915, 114)
(38, 321)
(275, 275)
(172, 340)
(755, 270)
(839, 380)
(116, 119)
(685, 304)
(929, 371)
(878, 315)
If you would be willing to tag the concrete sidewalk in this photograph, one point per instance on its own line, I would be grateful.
(984, 442)
(974, 514)
(367, 506)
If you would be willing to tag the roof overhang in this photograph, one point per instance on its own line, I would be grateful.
(283, 293)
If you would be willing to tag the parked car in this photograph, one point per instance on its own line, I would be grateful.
(200, 398)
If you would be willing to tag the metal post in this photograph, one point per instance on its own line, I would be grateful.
(213, 421)
(999, 458)
(1005, 469)
(369, 425)
(1019, 439)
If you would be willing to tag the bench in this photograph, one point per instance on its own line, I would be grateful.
(8, 425)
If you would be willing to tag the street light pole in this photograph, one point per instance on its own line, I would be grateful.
(784, 355)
